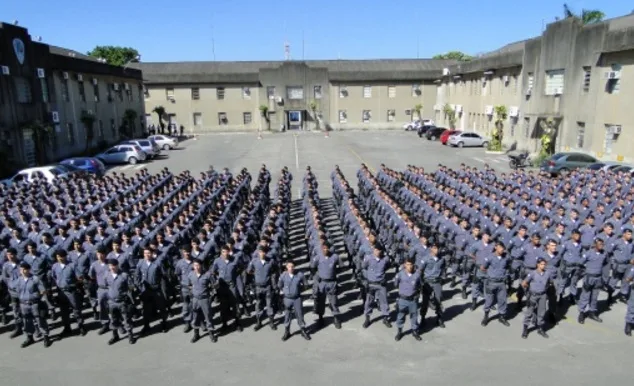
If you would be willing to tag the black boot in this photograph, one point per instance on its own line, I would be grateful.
(4, 319)
(611, 297)
(29, 341)
(503, 320)
(399, 334)
(115, 337)
(454, 282)
(366, 324)
(145, 330)
(164, 327)
(387, 323)
(628, 329)
(95, 314)
(474, 304)
(305, 334)
(17, 331)
(320, 321)
(336, 322)
(196, 336)
(541, 332)
(439, 321)
(131, 338)
(187, 328)
(595, 317)
(213, 337)
(47, 341)
(66, 331)
(287, 334)
(82, 330)
(525, 332)
(258, 325)
(239, 325)
(272, 324)
(464, 292)
(103, 329)
(416, 335)
(485, 320)
(581, 318)
(572, 299)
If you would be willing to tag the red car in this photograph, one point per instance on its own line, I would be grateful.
(445, 136)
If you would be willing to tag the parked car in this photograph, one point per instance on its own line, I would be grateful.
(47, 173)
(564, 162)
(120, 154)
(604, 166)
(165, 142)
(149, 146)
(444, 137)
(417, 124)
(623, 168)
(468, 140)
(435, 133)
(89, 164)
(423, 129)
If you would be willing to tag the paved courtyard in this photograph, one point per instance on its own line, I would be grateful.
(464, 353)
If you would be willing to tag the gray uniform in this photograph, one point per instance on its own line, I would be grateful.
(201, 286)
(594, 261)
(629, 279)
(263, 271)
(11, 272)
(537, 303)
(119, 306)
(326, 267)
(33, 310)
(375, 269)
(182, 270)
(292, 287)
(571, 268)
(622, 253)
(408, 286)
(70, 297)
(432, 269)
(497, 268)
(97, 274)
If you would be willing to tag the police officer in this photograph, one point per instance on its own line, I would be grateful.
(408, 283)
(326, 264)
(31, 293)
(621, 255)
(571, 268)
(202, 284)
(97, 273)
(496, 267)
(69, 295)
(292, 284)
(594, 261)
(263, 269)
(629, 314)
(375, 268)
(432, 269)
(149, 278)
(119, 303)
(10, 272)
(536, 285)
(226, 270)
(183, 268)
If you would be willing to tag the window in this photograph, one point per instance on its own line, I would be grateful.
(554, 82)
(120, 94)
(527, 127)
(222, 119)
(109, 91)
(343, 91)
(343, 116)
(531, 80)
(367, 91)
(169, 94)
(44, 86)
(391, 115)
(128, 92)
(270, 92)
(367, 114)
(195, 93)
(82, 91)
(220, 93)
(515, 82)
(112, 128)
(613, 86)
(246, 92)
(246, 118)
(142, 92)
(100, 129)
(587, 73)
(317, 92)
(198, 119)
(581, 133)
(295, 92)
(485, 86)
(95, 90)
(416, 90)
(23, 90)
(146, 92)
(391, 91)
(408, 112)
(609, 138)
(71, 133)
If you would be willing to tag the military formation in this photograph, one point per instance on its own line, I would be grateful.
(135, 250)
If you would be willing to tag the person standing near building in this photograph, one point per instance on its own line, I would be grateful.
(69, 293)
(432, 269)
(594, 260)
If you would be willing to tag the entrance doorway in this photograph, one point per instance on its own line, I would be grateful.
(295, 119)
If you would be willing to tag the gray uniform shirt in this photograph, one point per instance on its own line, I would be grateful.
(326, 266)
(201, 285)
(29, 289)
(408, 284)
(496, 267)
(375, 269)
(118, 286)
(538, 281)
(292, 286)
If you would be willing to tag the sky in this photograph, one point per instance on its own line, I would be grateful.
(228, 30)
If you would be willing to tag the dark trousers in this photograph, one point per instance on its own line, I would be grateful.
(153, 303)
(326, 290)
(33, 313)
(186, 304)
(120, 315)
(263, 298)
(432, 291)
(228, 298)
(70, 302)
(202, 311)
(293, 307)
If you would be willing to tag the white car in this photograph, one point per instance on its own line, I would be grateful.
(165, 142)
(417, 124)
(465, 139)
(120, 154)
(46, 173)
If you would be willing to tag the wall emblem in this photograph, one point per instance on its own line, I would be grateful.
(18, 48)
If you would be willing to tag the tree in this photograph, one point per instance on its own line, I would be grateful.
(264, 110)
(417, 109)
(454, 55)
(451, 116)
(115, 55)
(160, 111)
(88, 120)
(498, 135)
(549, 127)
(587, 16)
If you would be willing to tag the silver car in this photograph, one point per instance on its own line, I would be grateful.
(165, 142)
(120, 154)
(149, 146)
(465, 139)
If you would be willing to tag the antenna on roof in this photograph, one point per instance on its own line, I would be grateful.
(287, 51)
(213, 41)
(418, 47)
(303, 46)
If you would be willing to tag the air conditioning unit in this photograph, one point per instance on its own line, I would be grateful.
(65, 75)
(615, 129)
(40, 73)
(5, 70)
(437, 107)
(95, 81)
(115, 86)
(80, 78)
(445, 71)
(126, 86)
(529, 91)
(488, 110)
(505, 78)
(55, 116)
(279, 100)
(514, 111)
(612, 75)
(458, 109)
(558, 91)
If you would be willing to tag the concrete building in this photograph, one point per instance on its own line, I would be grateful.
(579, 76)
(57, 87)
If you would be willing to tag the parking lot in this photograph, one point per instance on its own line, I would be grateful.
(462, 353)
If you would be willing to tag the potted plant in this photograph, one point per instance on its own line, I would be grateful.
(264, 110)
(498, 134)
(451, 116)
(418, 109)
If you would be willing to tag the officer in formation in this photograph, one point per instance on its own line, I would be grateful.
(118, 242)
(291, 285)
(537, 283)
(408, 282)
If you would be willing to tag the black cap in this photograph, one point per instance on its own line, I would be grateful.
(199, 261)
(113, 262)
(102, 249)
(25, 265)
(540, 259)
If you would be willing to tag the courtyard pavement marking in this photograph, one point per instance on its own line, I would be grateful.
(360, 158)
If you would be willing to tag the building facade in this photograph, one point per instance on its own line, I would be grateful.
(46, 92)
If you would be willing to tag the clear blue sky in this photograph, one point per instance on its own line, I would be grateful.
(172, 30)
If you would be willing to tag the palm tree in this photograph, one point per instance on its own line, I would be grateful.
(588, 16)
(160, 111)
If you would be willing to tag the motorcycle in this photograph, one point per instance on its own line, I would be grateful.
(520, 161)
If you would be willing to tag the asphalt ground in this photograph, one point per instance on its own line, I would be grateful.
(464, 353)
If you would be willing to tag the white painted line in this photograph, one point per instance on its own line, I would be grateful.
(480, 160)
(139, 167)
(296, 154)
(496, 160)
(126, 167)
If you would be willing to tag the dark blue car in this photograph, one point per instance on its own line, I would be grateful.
(89, 164)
